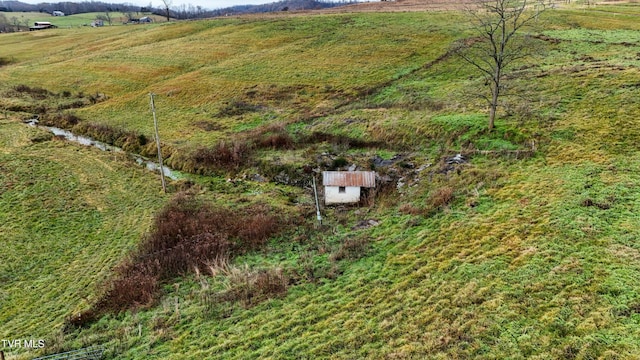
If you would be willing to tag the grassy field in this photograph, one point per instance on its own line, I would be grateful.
(505, 256)
(71, 21)
(68, 215)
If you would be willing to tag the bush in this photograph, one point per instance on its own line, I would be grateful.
(441, 197)
(351, 248)
(224, 155)
(409, 209)
(188, 235)
(338, 140)
(281, 141)
(35, 92)
(62, 120)
(235, 108)
(127, 140)
(273, 136)
(339, 162)
(252, 286)
(4, 61)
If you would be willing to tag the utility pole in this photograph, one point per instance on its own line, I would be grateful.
(155, 125)
(315, 192)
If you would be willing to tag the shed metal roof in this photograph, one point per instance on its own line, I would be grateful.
(349, 178)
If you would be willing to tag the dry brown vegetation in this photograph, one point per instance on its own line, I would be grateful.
(189, 235)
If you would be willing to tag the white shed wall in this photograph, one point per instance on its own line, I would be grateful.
(333, 196)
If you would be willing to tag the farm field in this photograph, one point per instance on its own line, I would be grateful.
(527, 249)
(70, 21)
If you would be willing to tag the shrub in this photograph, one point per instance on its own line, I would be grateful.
(235, 108)
(131, 141)
(338, 140)
(252, 286)
(281, 141)
(224, 155)
(72, 105)
(61, 120)
(441, 197)
(35, 92)
(4, 61)
(409, 209)
(352, 248)
(257, 230)
(273, 136)
(189, 235)
(339, 162)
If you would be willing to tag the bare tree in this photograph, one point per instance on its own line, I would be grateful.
(498, 42)
(128, 15)
(167, 6)
(16, 23)
(25, 21)
(106, 17)
(4, 24)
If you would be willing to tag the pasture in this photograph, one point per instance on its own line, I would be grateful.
(502, 256)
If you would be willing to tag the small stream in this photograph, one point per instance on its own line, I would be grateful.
(87, 141)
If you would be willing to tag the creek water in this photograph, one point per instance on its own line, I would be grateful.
(87, 141)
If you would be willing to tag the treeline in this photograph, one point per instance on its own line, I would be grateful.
(285, 5)
(184, 11)
(69, 8)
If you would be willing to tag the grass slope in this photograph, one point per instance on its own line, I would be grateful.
(71, 21)
(529, 258)
(67, 216)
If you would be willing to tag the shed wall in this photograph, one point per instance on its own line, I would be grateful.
(333, 196)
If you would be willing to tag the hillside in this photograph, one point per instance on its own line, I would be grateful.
(527, 249)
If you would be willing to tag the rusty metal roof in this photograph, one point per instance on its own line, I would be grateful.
(349, 178)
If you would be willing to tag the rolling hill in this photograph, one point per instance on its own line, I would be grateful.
(525, 249)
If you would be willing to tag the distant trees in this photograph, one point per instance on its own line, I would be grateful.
(166, 9)
(16, 22)
(4, 24)
(498, 42)
(25, 21)
(105, 17)
(69, 8)
(12, 24)
(128, 15)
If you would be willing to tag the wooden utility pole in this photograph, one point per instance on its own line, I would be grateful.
(155, 125)
(315, 192)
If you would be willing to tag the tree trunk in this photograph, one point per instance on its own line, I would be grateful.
(494, 105)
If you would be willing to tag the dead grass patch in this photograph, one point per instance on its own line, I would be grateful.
(351, 248)
(250, 287)
(441, 197)
(189, 236)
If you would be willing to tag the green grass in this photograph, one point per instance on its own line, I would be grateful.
(68, 214)
(71, 21)
(531, 257)
(279, 65)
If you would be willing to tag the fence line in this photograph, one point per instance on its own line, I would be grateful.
(90, 353)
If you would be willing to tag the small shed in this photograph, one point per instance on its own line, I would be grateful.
(344, 187)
